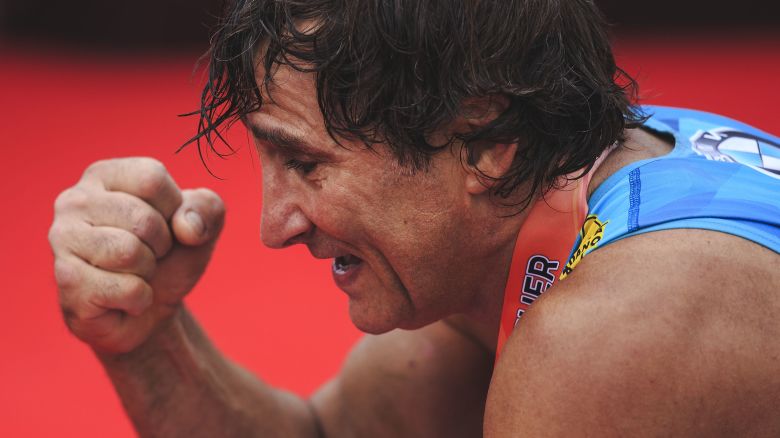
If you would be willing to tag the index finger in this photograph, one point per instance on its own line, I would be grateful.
(145, 178)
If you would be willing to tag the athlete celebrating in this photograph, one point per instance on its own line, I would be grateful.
(482, 182)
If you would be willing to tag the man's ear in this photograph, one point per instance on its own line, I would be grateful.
(486, 160)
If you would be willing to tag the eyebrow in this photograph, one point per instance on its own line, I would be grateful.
(286, 140)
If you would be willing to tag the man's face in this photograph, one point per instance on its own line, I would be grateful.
(403, 243)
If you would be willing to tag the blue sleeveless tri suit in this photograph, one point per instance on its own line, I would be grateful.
(722, 175)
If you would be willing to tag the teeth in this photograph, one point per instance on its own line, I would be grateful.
(342, 264)
(339, 267)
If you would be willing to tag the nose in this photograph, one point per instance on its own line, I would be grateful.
(283, 222)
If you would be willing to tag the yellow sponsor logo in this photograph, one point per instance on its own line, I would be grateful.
(590, 235)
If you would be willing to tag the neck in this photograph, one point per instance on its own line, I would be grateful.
(483, 318)
(638, 145)
(482, 314)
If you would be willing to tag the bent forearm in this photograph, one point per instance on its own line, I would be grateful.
(178, 384)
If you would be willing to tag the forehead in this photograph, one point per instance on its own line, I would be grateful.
(290, 121)
(290, 118)
(289, 102)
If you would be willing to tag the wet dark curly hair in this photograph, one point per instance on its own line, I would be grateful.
(395, 71)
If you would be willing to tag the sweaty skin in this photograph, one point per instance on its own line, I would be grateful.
(670, 333)
(662, 334)
(409, 228)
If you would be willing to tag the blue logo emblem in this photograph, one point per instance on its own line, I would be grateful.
(732, 146)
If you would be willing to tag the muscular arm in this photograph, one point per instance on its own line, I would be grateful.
(430, 382)
(178, 385)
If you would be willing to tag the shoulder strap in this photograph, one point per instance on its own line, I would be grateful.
(542, 248)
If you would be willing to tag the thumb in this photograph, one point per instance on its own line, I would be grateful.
(199, 218)
(196, 226)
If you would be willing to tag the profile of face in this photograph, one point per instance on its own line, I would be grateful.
(408, 247)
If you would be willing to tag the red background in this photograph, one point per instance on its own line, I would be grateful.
(277, 312)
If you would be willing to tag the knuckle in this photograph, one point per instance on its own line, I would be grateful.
(152, 163)
(95, 167)
(96, 300)
(103, 295)
(56, 233)
(73, 309)
(208, 194)
(72, 297)
(72, 199)
(152, 178)
(213, 200)
(62, 236)
(136, 289)
(81, 308)
(146, 226)
(77, 324)
(66, 274)
(126, 250)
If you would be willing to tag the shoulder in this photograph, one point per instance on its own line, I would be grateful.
(641, 340)
(428, 382)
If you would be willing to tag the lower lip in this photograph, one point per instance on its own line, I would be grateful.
(349, 277)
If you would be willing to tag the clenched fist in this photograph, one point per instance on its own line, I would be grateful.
(128, 246)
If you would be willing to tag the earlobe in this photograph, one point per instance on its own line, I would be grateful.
(487, 162)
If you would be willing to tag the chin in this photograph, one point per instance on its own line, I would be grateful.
(374, 321)
(367, 324)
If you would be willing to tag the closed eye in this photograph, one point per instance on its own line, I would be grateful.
(305, 167)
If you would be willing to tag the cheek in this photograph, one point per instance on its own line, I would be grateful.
(389, 206)
(342, 203)
(420, 242)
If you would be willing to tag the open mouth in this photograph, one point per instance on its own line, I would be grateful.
(343, 264)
